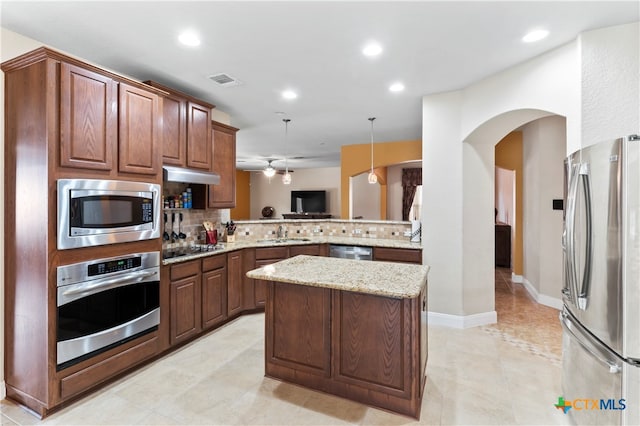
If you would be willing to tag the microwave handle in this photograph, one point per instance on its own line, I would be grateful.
(73, 292)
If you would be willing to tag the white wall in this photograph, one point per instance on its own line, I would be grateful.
(543, 143)
(365, 198)
(278, 196)
(464, 126)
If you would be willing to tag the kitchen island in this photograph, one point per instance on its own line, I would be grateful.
(351, 328)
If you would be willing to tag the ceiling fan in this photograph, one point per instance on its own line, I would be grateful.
(269, 170)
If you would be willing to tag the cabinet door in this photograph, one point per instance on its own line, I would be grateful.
(185, 308)
(88, 119)
(139, 137)
(260, 286)
(214, 297)
(224, 163)
(386, 254)
(198, 136)
(234, 282)
(174, 131)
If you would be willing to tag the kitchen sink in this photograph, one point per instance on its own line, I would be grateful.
(283, 240)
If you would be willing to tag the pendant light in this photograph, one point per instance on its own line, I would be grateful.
(372, 176)
(286, 177)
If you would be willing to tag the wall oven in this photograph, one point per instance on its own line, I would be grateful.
(106, 302)
(94, 212)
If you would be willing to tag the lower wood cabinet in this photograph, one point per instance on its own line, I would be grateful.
(185, 290)
(214, 291)
(235, 279)
(266, 256)
(387, 254)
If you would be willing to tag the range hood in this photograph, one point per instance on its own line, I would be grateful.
(179, 174)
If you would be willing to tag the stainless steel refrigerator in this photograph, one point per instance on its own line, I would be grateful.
(601, 292)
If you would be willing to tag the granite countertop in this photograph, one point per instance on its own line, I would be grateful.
(396, 280)
(239, 244)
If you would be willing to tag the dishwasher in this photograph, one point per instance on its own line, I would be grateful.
(350, 252)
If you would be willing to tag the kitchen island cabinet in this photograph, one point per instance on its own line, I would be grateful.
(350, 328)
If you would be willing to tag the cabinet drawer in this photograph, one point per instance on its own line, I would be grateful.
(310, 250)
(91, 376)
(213, 262)
(272, 253)
(397, 255)
(184, 270)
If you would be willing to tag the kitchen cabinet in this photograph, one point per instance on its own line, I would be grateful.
(139, 130)
(235, 277)
(185, 301)
(223, 195)
(65, 119)
(88, 118)
(101, 118)
(386, 254)
(214, 291)
(186, 137)
(266, 256)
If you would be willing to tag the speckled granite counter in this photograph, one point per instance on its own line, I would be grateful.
(397, 280)
(239, 245)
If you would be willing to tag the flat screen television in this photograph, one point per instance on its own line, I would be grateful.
(309, 201)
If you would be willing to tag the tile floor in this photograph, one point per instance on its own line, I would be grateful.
(506, 373)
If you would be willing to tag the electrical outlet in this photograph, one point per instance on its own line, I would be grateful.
(407, 233)
(316, 230)
(357, 231)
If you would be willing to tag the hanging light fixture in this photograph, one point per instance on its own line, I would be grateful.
(269, 171)
(286, 177)
(372, 176)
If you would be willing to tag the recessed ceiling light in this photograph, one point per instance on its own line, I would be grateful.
(189, 38)
(372, 49)
(289, 94)
(396, 87)
(535, 35)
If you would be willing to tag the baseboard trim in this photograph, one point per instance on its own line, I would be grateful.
(516, 278)
(542, 299)
(462, 321)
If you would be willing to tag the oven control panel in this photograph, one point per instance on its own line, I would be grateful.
(113, 266)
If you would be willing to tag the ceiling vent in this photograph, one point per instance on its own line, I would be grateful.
(225, 80)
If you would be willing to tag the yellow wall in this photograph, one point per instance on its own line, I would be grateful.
(509, 156)
(243, 199)
(356, 159)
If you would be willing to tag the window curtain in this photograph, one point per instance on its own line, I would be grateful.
(411, 178)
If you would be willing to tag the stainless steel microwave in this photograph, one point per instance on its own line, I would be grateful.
(94, 212)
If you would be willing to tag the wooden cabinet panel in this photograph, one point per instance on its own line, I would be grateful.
(272, 253)
(224, 163)
(299, 328)
(248, 284)
(139, 115)
(372, 344)
(214, 297)
(174, 130)
(185, 308)
(309, 250)
(198, 136)
(234, 282)
(214, 262)
(88, 119)
(266, 256)
(397, 255)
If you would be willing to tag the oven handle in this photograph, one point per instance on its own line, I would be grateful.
(73, 292)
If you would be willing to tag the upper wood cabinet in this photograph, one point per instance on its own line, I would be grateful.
(224, 164)
(186, 137)
(102, 119)
(139, 128)
(88, 118)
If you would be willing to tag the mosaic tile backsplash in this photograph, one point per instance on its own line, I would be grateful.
(253, 230)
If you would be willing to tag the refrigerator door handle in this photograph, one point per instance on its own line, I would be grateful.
(583, 296)
(569, 235)
(595, 348)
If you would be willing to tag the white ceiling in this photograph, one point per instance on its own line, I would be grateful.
(313, 48)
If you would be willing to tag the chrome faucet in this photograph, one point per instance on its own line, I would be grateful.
(279, 234)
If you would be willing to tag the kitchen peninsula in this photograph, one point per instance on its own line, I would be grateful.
(349, 328)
